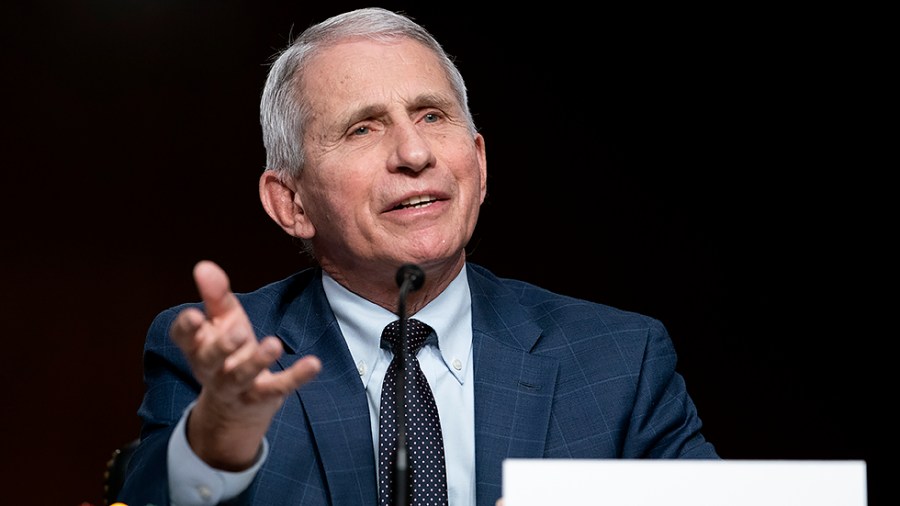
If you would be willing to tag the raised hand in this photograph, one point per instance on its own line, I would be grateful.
(240, 395)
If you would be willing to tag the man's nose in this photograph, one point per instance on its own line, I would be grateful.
(412, 149)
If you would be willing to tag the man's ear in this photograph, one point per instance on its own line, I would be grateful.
(282, 203)
(482, 163)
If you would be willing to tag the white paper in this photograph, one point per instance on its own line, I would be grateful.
(543, 482)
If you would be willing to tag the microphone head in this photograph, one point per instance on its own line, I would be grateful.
(412, 273)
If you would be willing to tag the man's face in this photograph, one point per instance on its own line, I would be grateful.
(393, 174)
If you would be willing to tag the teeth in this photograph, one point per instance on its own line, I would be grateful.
(420, 199)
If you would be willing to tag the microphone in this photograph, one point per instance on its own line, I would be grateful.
(410, 277)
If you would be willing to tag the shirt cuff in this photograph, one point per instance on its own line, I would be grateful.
(193, 482)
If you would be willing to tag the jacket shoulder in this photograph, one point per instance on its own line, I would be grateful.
(265, 306)
(540, 304)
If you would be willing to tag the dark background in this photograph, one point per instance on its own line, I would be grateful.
(715, 168)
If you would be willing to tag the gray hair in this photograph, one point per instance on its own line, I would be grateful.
(284, 110)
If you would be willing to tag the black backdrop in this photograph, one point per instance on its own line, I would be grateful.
(709, 167)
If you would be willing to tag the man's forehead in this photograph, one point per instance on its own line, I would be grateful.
(368, 77)
(360, 57)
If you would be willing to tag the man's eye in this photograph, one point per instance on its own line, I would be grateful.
(363, 130)
(431, 117)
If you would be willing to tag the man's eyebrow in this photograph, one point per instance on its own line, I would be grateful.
(424, 100)
(362, 113)
(439, 101)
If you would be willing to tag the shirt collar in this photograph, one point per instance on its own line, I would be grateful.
(361, 322)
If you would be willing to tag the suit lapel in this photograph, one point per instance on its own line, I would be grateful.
(335, 402)
(513, 388)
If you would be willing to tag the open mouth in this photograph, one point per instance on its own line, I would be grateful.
(417, 201)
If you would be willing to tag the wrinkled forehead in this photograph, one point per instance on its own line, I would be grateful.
(362, 73)
(341, 61)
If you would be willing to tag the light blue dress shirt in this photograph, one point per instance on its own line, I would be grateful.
(447, 364)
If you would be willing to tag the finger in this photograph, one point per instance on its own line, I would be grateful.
(227, 327)
(240, 369)
(215, 289)
(242, 366)
(207, 345)
(185, 328)
(214, 347)
(283, 383)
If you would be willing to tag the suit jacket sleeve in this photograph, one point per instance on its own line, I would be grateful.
(664, 421)
(170, 388)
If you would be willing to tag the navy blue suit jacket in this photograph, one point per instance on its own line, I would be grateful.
(555, 377)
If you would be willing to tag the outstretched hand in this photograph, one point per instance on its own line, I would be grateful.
(239, 394)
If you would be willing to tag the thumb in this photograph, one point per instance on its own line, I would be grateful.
(215, 288)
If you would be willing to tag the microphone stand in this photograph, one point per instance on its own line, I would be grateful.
(409, 277)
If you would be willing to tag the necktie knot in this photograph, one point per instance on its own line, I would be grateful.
(416, 334)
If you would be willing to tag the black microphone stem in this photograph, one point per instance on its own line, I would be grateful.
(401, 463)
(409, 277)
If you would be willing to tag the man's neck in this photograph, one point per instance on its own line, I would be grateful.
(381, 287)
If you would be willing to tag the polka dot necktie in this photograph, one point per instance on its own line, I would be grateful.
(425, 445)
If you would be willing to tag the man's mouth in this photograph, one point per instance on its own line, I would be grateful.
(417, 201)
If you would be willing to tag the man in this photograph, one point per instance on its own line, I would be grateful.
(274, 397)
